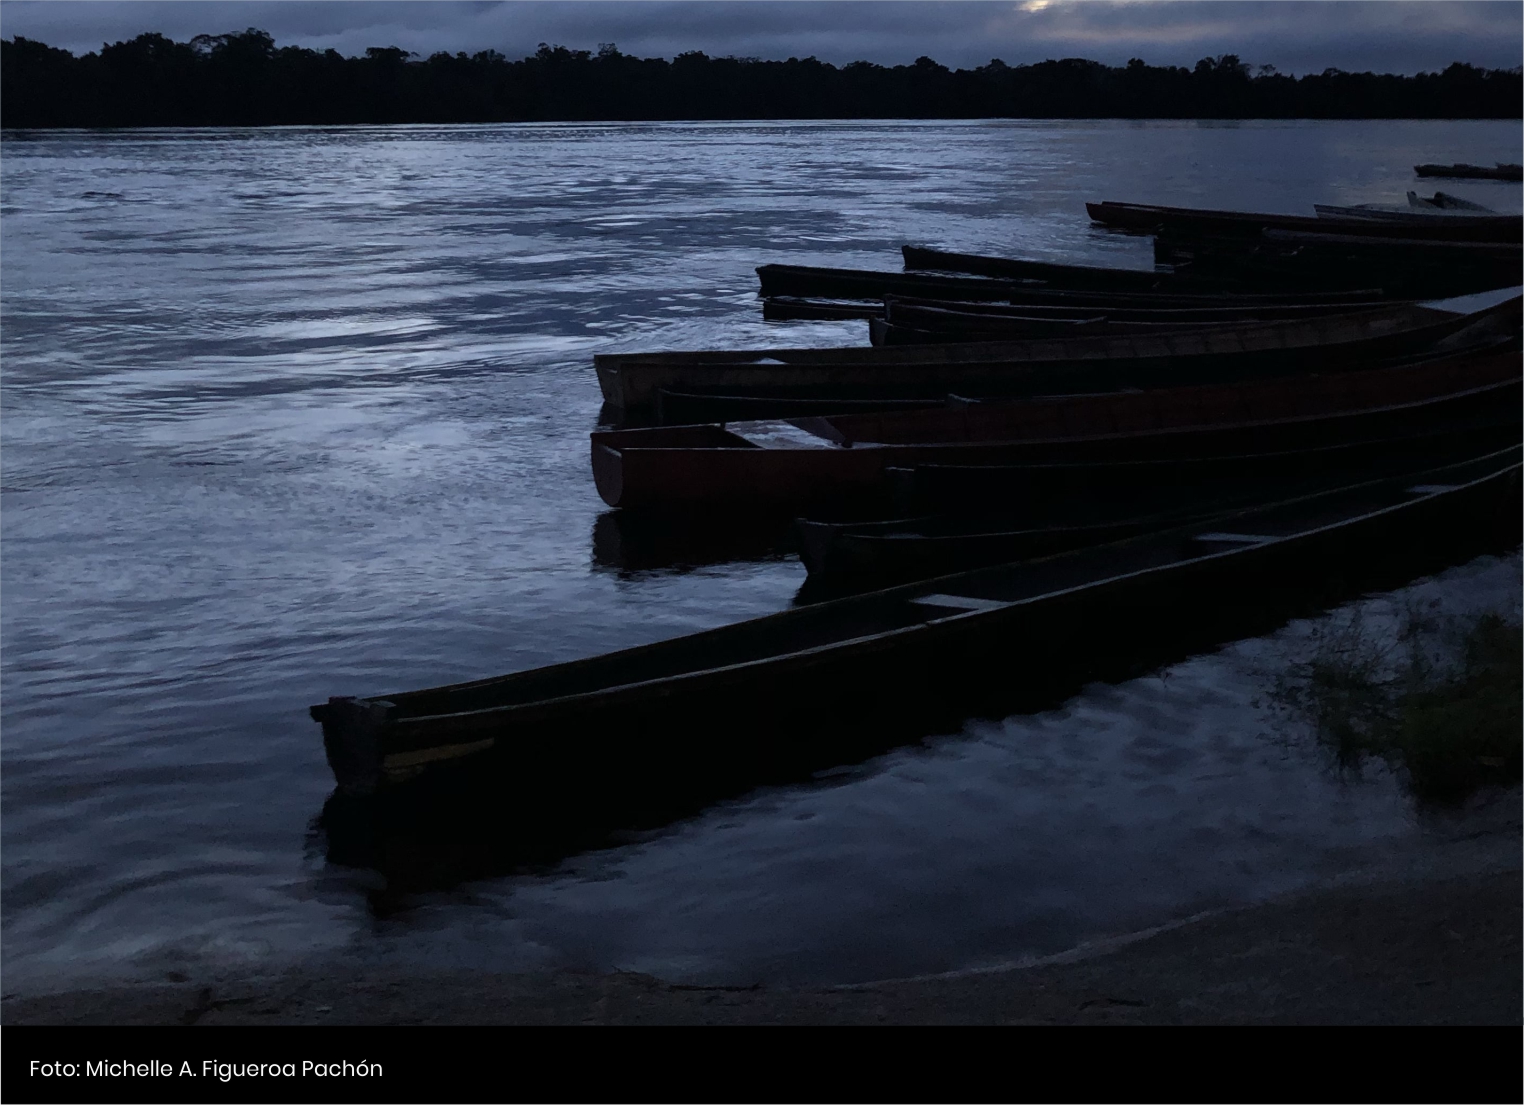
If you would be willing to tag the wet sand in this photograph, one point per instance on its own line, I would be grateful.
(1420, 949)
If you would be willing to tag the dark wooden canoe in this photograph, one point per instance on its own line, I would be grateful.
(1472, 172)
(927, 325)
(631, 381)
(1230, 311)
(1052, 490)
(798, 281)
(676, 407)
(1036, 510)
(792, 464)
(787, 308)
(910, 311)
(721, 711)
(1151, 218)
(883, 334)
(1417, 268)
(867, 555)
(1077, 277)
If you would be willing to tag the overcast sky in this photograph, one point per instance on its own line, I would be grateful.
(1395, 36)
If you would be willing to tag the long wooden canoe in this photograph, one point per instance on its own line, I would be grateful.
(631, 381)
(1051, 489)
(1417, 268)
(792, 464)
(799, 281)
(696, 403)
(1037, 510)
(923, 325)
(1229, 310)
(1499, 171)
(789, 309)
(681, 407)
(721, 711)
(1151, 218)
(1078, 277)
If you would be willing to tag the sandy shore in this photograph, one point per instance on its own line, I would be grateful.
(1428, 950)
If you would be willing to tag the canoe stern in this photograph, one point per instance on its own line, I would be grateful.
(353, 730)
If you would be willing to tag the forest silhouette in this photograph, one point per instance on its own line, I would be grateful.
(244, 79)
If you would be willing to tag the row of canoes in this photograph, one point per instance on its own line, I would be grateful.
(1148, 462)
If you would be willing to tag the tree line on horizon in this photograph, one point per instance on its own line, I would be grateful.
(244, 79)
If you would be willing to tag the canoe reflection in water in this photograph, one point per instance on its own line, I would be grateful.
(456, 782)
(627, 543)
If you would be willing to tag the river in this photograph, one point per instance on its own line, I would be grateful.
(304, 411)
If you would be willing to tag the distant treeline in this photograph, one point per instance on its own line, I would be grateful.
(245, 80)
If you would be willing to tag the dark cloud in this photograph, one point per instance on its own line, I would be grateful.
(1296, 37)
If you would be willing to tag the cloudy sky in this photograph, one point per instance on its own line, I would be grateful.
(1397, 36)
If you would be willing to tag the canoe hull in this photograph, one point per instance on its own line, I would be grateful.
(642, 469)
(632, 382)
(640, 753)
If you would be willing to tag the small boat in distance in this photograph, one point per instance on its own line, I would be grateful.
(1441, 205)
(1500, 171)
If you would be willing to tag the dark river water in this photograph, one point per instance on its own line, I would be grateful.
(301, 412)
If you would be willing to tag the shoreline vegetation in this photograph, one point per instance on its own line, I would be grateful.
(244, 79)
(1438, 701)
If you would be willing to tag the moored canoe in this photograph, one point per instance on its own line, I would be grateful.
(721, 711)
(791, 464)
(631, 381)
(1152, 218)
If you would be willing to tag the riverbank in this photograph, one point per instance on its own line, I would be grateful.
(1438, 945)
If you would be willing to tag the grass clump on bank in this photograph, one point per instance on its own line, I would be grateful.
(1440, 703)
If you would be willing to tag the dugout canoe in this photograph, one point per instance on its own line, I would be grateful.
(1499, 171)
(790, 309)
(630, 382)
(930, 325)
(718, 712)
(787, 308)
(1414, 267)
(690, 404)
(1032, 521)
(1229, 310)
(1050, 491)
(1149, 218)
(799, 281)
(1077, 277)
(863, 555)
(794, 464)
